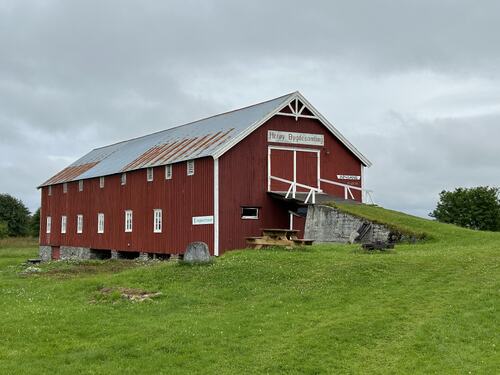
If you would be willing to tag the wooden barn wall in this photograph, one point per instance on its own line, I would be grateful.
(243, 179)
(180, 199)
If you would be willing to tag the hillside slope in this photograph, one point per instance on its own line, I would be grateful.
(424, 308)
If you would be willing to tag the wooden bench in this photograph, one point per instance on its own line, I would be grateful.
(278, 237)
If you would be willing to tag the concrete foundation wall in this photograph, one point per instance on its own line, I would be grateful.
(327, 224)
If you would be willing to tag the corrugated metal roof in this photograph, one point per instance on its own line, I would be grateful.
(194, 140)
(211, 136)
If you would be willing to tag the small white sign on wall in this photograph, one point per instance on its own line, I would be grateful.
(295, 138)
(348, 177)
(202, 220)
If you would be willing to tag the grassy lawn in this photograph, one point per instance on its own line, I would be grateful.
(424, 308)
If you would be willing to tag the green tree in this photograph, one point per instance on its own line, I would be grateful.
(3, 229)
(475, 208)
(35, 223)
(15, 214)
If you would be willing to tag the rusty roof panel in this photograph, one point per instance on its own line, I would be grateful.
(69, 174)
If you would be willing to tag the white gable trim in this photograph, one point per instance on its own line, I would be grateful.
(297, 95)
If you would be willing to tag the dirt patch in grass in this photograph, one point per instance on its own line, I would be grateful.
(117, 294)
(64, 269)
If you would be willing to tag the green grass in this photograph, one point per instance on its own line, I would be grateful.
(428, 308)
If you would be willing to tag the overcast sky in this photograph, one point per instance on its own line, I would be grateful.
(414, 85)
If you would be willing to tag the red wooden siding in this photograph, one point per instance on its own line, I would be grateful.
(243, 178)
(180, 199)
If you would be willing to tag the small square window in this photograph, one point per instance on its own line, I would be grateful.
(65, 187)
(149, 174)
(123, 179)
(101, 182)
(80, 185)
(249, 213)
(190, 167)
(168, 172)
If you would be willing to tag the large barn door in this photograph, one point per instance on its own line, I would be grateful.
(281, 165)
(293, 165)
(306, 169)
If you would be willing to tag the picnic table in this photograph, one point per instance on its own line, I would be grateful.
(277, 237)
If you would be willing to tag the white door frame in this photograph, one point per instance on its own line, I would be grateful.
(295, 150)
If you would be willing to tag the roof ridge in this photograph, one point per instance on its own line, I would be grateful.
(195, 121)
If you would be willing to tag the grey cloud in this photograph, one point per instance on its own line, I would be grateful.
(408, 81)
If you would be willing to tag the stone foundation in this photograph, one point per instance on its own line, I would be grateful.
(75, 253)
(45, 253)
(327, 224)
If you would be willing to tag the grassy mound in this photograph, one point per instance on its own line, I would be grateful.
(425, 308)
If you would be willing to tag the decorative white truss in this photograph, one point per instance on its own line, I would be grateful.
(296, 107)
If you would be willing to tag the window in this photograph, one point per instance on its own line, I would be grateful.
(168, 172)
(65, 187)
(128, 221)
(64, 221)
(157, 220)
(79, 223)
(101, 182)
(124, 179)
(100, 223)
(190, 167)
(80, 185)
(149, 174)
(249, 213)
(49, 224)
(49, 190)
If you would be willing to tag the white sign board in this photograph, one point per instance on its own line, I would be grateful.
(295, 138)
(348, 177)
(201, 220)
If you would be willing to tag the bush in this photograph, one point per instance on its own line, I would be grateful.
(15, 214)
(474, 208)
(35, 224)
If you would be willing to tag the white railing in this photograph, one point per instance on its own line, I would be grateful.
(292, 190)
(347, 190)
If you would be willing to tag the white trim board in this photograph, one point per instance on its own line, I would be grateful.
(314, 111)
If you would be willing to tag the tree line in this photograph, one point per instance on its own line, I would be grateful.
(15, 218)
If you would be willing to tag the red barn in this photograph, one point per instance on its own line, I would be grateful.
(217, 180)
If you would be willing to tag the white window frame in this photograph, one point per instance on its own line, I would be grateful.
(168, 172)
(80, 185)
(49, 190)
(101, 182)
(190, 167)
(149, 174)
(79, 223)
(49, 224)
(157, 220)
(250, 217)
(128, 220)
(123, 179)
(64, 224)
(65, 188)
(100, 222)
